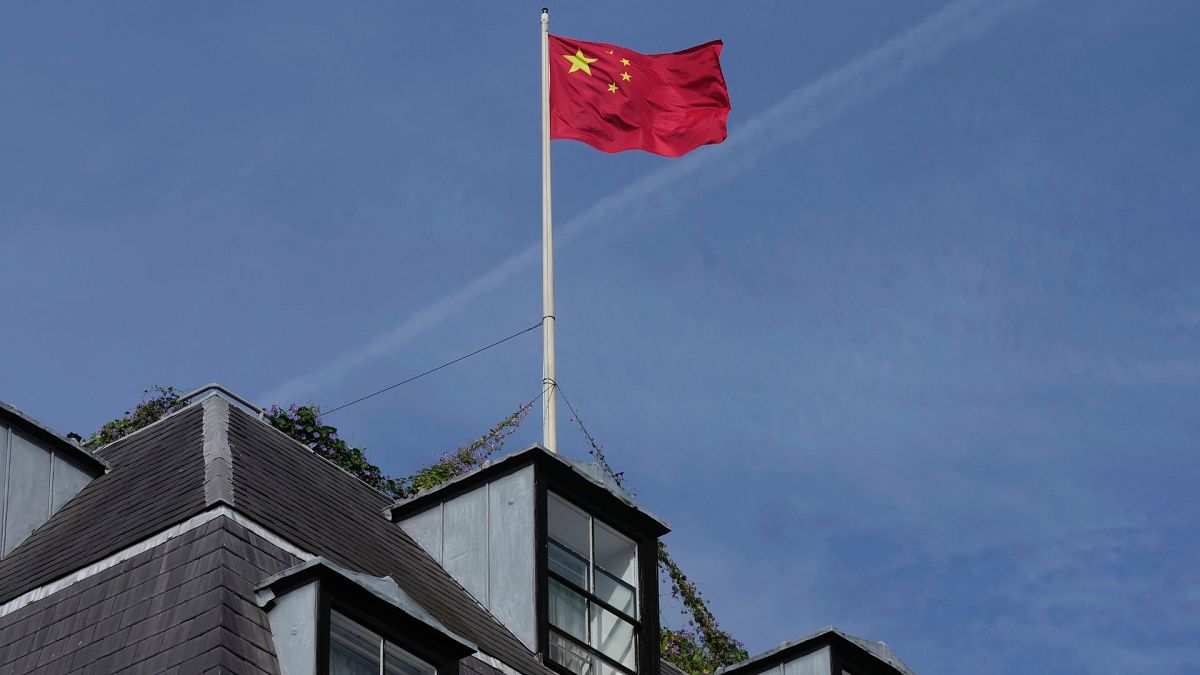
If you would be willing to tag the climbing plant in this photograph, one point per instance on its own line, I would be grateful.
(701, 646)
(157, 402)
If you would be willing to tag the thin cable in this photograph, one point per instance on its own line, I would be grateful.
(535, 398)
(597, 452)
(326, 413)
(575, 417)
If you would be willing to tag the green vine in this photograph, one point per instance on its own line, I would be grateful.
(701, 646)
(164, 402)
(303, 423)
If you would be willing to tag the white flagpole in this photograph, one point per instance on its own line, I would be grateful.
(549, 384)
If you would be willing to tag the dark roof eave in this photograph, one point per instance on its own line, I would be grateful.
(531, 455)
(796, 648)
(60, 442)
(369, 588)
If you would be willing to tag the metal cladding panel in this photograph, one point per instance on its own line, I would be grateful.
(294, 627)
(816, 663)
(426, 528)
(28, 498)
(68, 480)
(465, 539)
(511, 559)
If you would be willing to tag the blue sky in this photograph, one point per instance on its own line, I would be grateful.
(916, 352)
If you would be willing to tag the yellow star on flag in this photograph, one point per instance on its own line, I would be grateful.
(613, 87)
(579, 62)
(626, 77)
(624, 62)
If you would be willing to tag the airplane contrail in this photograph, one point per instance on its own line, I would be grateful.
(791, 119)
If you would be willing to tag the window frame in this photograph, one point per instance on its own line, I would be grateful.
(645, 602)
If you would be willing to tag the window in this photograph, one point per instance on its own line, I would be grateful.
(355, 650)
(592, 593)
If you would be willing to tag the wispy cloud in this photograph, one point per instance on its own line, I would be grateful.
(792, 119)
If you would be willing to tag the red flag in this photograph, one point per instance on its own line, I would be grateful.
(616, 99)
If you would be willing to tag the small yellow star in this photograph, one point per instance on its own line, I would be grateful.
(579, 62)
(626, 77)
(613, 87)
(624, 62)
(608, 51)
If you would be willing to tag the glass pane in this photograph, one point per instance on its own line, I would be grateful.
(613, 636)
(568, 526)
(570, 655)
(568, 563)
(616, 569)
(396, 661)
(568, 610)
(616, 592)
(353, 650)
(616, 553)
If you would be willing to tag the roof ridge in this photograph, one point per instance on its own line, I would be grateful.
(218, 459)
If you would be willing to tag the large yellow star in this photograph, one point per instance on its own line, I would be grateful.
(579, 62)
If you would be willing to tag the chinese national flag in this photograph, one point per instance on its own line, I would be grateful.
(616, 99)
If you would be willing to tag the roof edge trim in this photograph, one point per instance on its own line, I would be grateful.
(161, 537)
(532, 454)
(66, 445)
(383, 588)
(823, 637)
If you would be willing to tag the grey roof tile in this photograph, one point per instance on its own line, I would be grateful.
(154, 484)
(309, 501)
(149, 631)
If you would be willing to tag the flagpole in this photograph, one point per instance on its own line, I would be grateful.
(549, 384)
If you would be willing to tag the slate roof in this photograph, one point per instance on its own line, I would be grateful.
(184, 606)
(307, 500)
(157, 480)
(206, 455)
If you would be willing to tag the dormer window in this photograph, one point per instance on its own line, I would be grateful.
(557, 552)
(592, 592)
(328, 620)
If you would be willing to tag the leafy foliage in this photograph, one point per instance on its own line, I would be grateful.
(303, 423)
(699, 647)
(464, 459)
(164, 401)
(702, 646)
